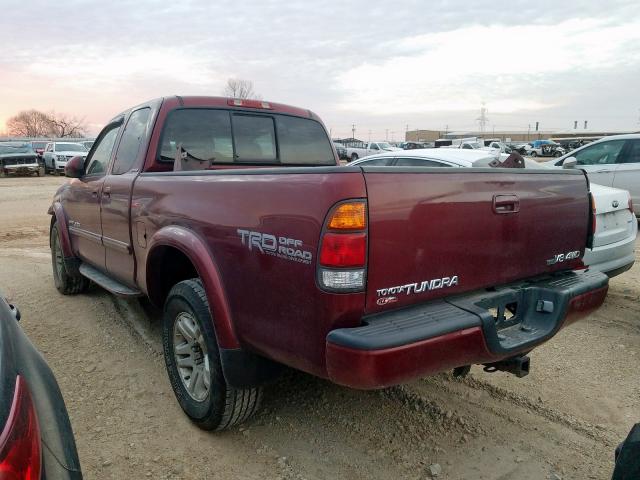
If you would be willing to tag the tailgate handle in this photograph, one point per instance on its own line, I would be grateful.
(506, 204)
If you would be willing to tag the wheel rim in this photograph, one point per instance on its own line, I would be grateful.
(58, 260)
(191, 356)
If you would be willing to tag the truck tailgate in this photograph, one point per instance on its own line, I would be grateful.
(434, 232)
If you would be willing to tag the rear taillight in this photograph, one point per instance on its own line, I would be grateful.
(20, 453)
(343, 248)
(631, 205)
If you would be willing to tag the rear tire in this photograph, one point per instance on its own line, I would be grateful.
(66, 283)
(533, 154)
(354, 156)
(193, 362)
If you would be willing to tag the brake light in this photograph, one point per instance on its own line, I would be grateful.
(343, 248)
(239, 102)
(20, 453)
(631, 205)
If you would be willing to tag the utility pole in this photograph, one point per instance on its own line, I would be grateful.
(528, 132)
(483, 120)
(446, 129)
(353, 131)
(386, 134)
(406, 133)
(369, 136)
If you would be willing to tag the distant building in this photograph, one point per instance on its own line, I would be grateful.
(515, 136)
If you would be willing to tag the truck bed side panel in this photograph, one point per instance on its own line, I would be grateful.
(277, 308)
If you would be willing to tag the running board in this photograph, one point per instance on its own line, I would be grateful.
(113, 286)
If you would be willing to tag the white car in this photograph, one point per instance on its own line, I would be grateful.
(355, 152)
(57, 154)
(611, 161)
(615, 225)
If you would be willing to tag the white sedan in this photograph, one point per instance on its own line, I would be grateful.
(612, 161)
(615, 224)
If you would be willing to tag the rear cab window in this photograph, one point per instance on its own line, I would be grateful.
(224, 137)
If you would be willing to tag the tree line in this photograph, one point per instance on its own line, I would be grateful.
(35, 123)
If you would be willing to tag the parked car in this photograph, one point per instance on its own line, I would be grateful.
(357, 151)
(38, 147)
(615, 227)
(57, 154)
(544, 148)
(611, 161)
(341, 150)
(415, 145)
(36, 440)
(18, 158)
(368, 278)
(87, 144)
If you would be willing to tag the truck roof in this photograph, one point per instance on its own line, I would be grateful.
(195, 101)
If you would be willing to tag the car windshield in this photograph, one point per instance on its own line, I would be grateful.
(38, 144)
(69, 147)
(384, 145)
(5, 149)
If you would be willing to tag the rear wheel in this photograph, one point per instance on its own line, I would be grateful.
(193, 362)
(354, 156)
(557, 154)
(66, 283)
(533, 154)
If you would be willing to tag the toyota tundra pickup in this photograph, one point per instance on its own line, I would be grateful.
(235, 217)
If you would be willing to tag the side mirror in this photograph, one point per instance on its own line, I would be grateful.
(569, 162)
(74, 167)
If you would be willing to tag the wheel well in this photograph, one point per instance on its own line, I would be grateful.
(166, 266)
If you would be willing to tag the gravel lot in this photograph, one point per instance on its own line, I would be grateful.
(562, 421)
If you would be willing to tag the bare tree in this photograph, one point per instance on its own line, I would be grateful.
(237, 88)
(66, 126)
(30, 123)
(34, 123)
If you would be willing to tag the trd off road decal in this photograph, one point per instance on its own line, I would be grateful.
(281, 247)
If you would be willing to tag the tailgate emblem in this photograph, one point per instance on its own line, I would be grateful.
(615, 204)
(563, 257)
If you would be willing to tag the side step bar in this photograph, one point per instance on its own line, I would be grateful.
(109, 284)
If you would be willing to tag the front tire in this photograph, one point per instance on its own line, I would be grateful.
(354, 157)
(533, 154)
(193, 362)
(66, 283)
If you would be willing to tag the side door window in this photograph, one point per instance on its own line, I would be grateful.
(132, 137)
(627, 176)
(605, 153)
(98, 162)
(419, 162)
(377, 162)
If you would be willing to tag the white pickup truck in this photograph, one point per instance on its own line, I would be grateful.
(357, 151)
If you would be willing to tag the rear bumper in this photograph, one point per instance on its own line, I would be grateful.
(396, 346)
(612, 259)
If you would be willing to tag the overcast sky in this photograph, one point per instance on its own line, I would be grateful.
(380, 65)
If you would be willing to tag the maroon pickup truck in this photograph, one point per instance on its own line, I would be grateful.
(235, 217)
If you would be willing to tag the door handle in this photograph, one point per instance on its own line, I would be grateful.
(94, 193)
(106, 192)
(503, 204)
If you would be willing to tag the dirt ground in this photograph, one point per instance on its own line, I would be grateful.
(562, 421)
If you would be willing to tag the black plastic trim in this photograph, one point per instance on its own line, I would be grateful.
(243, 369)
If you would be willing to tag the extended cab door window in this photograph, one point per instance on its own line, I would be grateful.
(132, 137)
